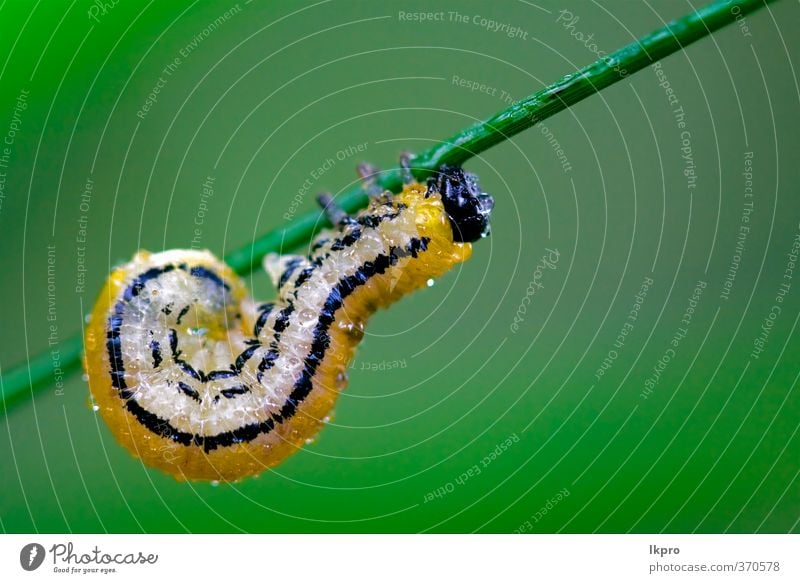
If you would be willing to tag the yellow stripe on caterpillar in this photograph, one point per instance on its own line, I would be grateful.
(195, 378)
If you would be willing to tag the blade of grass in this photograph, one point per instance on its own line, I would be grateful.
(567, 91)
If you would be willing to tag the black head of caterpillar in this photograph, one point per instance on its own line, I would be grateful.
(467, 207)
(196, 378)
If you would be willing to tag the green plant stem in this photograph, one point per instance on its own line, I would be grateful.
(20, 382)
(567, 91)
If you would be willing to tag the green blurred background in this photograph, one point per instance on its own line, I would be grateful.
(262, 94)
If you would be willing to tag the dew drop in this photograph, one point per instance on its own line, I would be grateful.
(215, 483)
(309, 440)
(430, 282)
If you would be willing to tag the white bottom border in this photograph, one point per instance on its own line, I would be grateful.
(378, 558)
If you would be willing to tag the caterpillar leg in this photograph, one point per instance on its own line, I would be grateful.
(405, 167)
(368, 173)
(336, 214)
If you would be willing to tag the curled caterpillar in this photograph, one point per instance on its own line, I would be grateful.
(197, 379)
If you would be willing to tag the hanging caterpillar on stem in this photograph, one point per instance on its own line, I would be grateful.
(197, 379)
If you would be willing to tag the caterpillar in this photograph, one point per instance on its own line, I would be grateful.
(197, 379)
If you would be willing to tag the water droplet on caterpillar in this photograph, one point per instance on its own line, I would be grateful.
(308, 317)
(353, 329)
(302, 348)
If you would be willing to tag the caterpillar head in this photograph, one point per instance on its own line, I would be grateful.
(467, 207)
